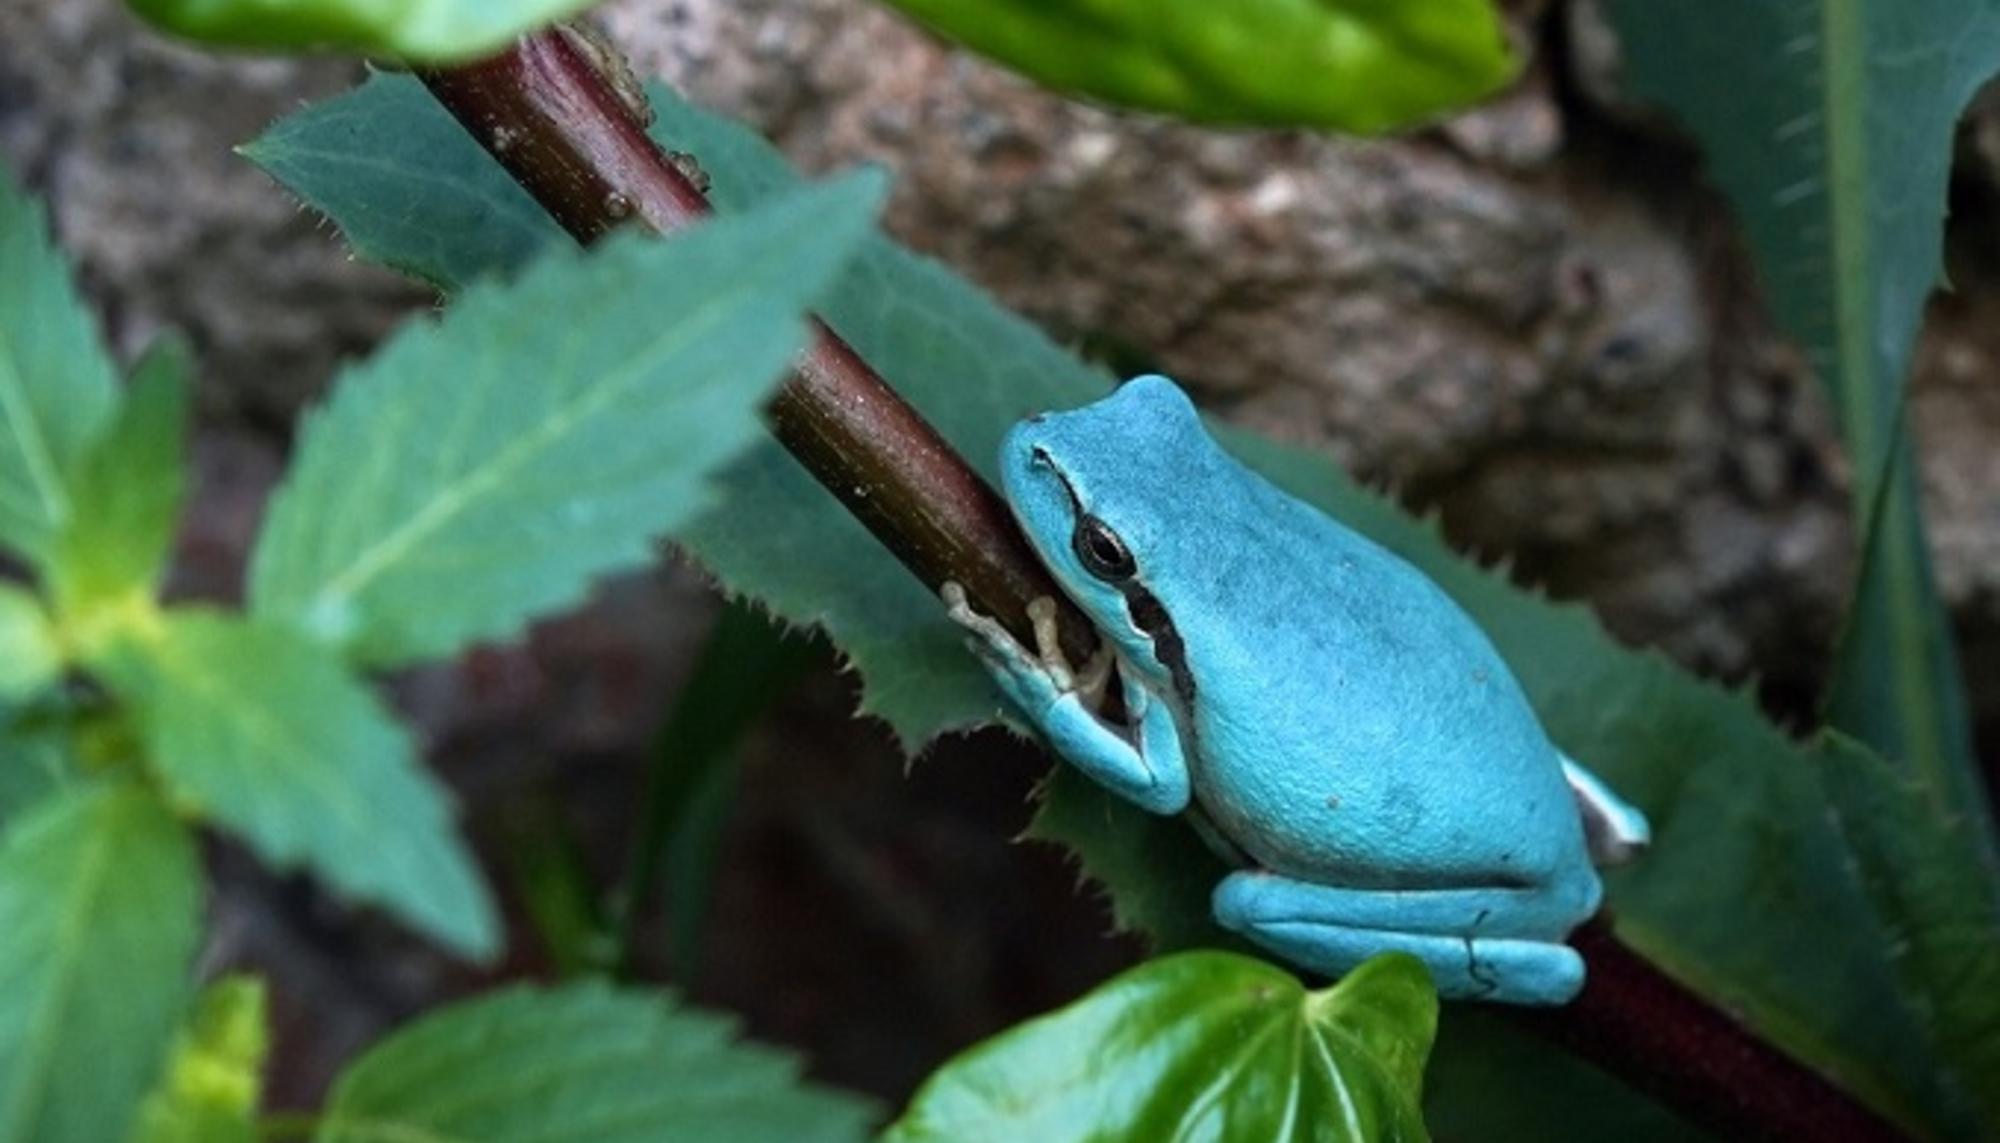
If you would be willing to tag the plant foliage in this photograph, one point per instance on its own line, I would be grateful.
(1200, 1045)
(1354, 65)
(99, 900)
(579, 1062)
(1834, 143)
(1752, 893)
(426, 30)
(260, 724)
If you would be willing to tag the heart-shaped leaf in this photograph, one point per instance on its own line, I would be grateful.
(1201, 1045)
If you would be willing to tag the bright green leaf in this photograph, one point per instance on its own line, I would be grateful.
(1202, 1045)
(581, 1062)
(127, 490)
(1833, 138)
(1355, 65)
(30, 655)
(56, 385)
(428, 30)
(99, 902)
(484, 469)
(265, 732)
(1750, 892)
(214, 1079)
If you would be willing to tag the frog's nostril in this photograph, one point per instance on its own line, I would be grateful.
(1037, 418)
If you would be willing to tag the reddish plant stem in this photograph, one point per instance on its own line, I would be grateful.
(547, 115)
(550, 118)
(1639, 1024)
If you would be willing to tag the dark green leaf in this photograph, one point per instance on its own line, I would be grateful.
(1202, 1045)
(581, 1062)
(1750, 892)
(1895, 681)
(1833, 138)
(447, 224)
(56, 385)
(1489, 1081)
(265, 732)
(441, 30)
(1355, 65)
(99, 900)
(747, 665)
(127, 490)
(1943, 914)
(214, 1079)
(36, 759)
(484, 469)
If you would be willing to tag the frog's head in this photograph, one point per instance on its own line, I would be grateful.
(1112, 496)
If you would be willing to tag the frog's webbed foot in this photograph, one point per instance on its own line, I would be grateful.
(1033, 679)
(1141, 762)
(1615, 829)
(1494, 944)
(1090, 680)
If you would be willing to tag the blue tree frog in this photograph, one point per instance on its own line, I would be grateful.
(1321, 709)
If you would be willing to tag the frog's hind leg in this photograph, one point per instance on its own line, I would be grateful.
(1613, 828)
(1492, 944)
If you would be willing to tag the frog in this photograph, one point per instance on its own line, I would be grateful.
(1321, 712)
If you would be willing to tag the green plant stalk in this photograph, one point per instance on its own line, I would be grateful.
(554, 122)
(1927, 727)
(745, 666)
(1833, 152)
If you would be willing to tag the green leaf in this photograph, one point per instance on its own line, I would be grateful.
(449, 224)
(484, 469)
(1490, 1082)
(214, 1079)
(31, 657)
(1833, 138)
(1944, 916)
(37, 760)
(426, 30)
(1201, 1045)
(1750, 893)
(264, 732)
(99, 900)
(744, 668)
(581, 1062)
(56, 385)
(1144, 859)
(1355, 65)
(127, 490)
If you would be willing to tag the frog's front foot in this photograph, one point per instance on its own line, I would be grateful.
(1141, 762)
(1499, 945)
(1035, 680)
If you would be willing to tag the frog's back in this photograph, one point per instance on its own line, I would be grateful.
(1391, 743)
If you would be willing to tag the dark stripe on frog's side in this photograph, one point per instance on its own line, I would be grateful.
(1150, 617)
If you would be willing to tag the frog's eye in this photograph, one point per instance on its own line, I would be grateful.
(1100, 550)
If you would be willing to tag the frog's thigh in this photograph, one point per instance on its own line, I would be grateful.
(1474, 941)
